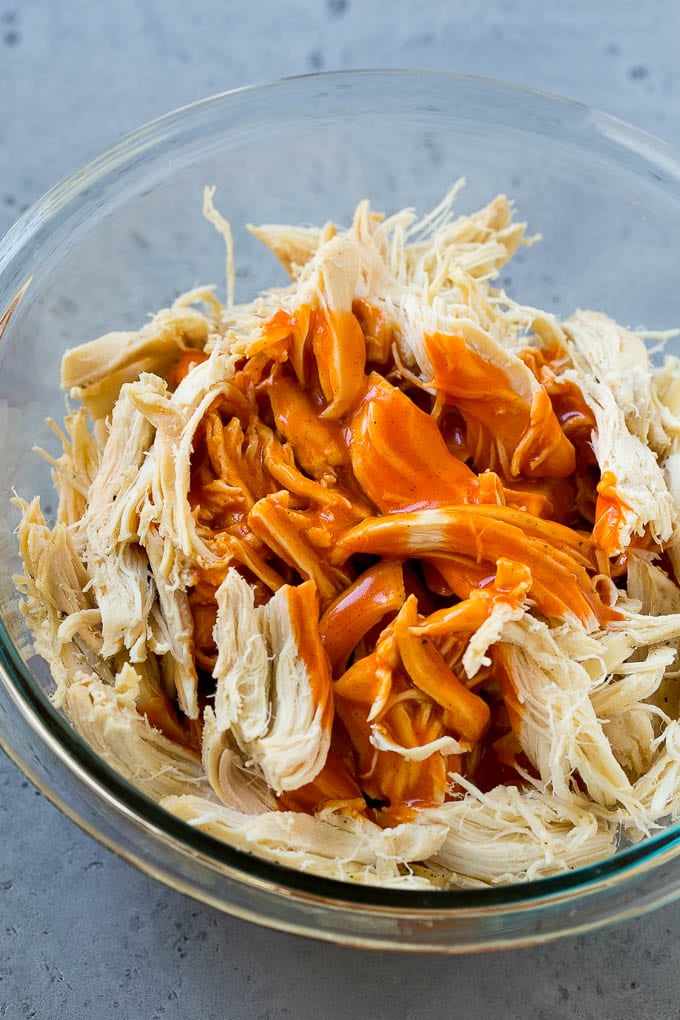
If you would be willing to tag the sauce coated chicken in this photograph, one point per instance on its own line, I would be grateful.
(378, 569)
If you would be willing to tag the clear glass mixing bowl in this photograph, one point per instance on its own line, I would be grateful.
(124, 235)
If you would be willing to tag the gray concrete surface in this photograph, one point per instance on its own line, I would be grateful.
(82, 934)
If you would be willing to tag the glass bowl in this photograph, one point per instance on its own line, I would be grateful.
(125, 234)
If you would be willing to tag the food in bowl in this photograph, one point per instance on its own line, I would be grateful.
(374, 575)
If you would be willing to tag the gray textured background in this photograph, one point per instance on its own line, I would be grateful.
(82, 934)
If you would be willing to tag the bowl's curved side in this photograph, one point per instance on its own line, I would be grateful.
(260, 892)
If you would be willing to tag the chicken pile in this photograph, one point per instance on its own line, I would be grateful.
(374, 576)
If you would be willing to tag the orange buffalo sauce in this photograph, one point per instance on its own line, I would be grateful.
(394, 784)
(398, 455)
(376, 592)
(377, 331)
(185, 362)
(331, 338)
(319, 443)
(610, 515)
(339, 349)
(526, 434)
(384, 512)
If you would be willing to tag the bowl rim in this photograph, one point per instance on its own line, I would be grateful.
(144, 137)
(82, 761)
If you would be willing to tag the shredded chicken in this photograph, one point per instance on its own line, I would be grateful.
(375, 576)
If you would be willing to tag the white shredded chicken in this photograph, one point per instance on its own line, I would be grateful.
(200, 660)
